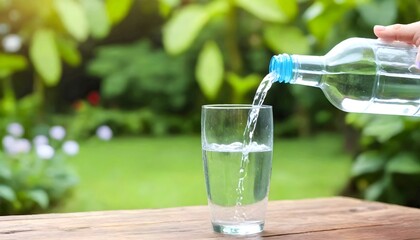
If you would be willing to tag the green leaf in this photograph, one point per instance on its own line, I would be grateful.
(117, 9)
(404, 163)
(368, 162)
(218, 7)
(267, 10)
(114, 85)
(5, 73)
(383, 12)
(12, 62)
(286, 39)
(102, 67)
(321, 17)
(242, 85)
(68, 51)
(39, 196)
(304, 96)
(7, 193)
(209, 70)
(377, 189)
(5, 172)
(73, 17)
(97, 18)
(289, 8)
(29, 103)
(181, 30)
(358, 120)
(394, 195)
(44, 55)
(166, 6)
(384, 127)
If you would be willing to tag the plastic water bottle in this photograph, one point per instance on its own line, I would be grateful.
(359, 75)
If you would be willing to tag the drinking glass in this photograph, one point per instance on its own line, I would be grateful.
(237, 165)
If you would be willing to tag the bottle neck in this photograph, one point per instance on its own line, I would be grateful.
(298, 69)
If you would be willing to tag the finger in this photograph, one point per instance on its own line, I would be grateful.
(418, 58)
(398, 32)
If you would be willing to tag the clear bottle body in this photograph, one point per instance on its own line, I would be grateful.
(364, 75)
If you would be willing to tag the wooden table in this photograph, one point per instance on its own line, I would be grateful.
(327, 218)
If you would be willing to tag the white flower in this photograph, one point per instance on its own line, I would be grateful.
(8, 144)
(15, 129)
(12, 43)
(8, 141)
(22, 146)
(14, 146)
(40, 140)
(71, 148)
(44, 151)
(57, 132)
(104, 132)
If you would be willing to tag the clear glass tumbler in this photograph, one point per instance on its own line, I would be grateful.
(237, 166)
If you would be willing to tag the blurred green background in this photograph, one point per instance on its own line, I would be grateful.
(143, 68)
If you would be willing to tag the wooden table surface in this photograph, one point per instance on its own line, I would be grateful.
(326, 218)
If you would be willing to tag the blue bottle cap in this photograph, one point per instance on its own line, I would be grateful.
(282, 66)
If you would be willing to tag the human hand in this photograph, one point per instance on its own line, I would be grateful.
(409, 33)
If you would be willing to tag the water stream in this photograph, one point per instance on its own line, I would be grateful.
(259, 97)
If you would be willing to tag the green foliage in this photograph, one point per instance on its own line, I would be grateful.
(149, 77)
(322, 17)
(56, 27)
(10, 63)
(96, 16)
(125, 122)
(190, 22)
(51, 30)
(117, 9)
(288, 39)
(209, 71)
(382, 128)
(68, 51)
(242, 85)
(267, 10)
(367, 162)
(249, 32)
(44, 54)
(381, 12)
(388, 167)
(73, 17)
(89, 118)
(30, 181)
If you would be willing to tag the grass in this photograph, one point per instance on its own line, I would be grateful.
(145, 172)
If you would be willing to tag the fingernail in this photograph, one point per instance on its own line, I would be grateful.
(379, 27)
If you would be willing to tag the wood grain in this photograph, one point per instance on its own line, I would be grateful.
(326, 218)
